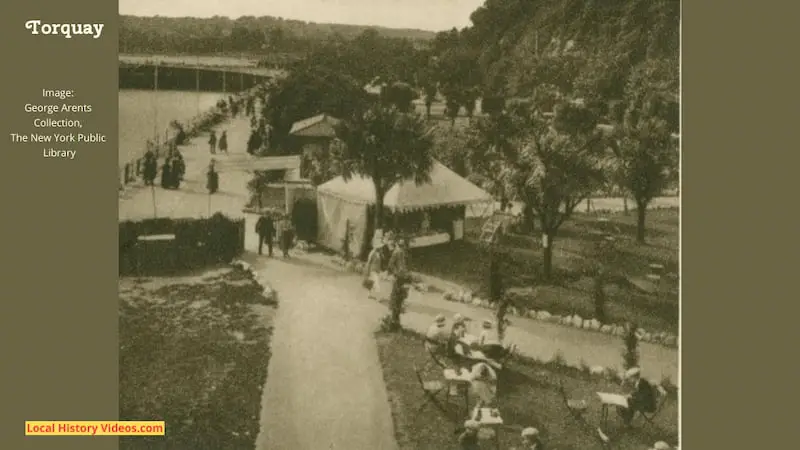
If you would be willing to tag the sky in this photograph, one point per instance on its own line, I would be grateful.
(434, 15)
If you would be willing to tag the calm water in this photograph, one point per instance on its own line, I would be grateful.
(141, 113)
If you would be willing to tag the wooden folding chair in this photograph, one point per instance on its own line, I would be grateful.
(432, 348)
(577, 409)
(432, 389)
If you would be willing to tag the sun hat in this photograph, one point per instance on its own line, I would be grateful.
(440, 320)
(530, 432)
(472, 424)
(632, 372)
(661, 445)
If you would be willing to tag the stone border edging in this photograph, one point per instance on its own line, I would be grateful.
(664, 339)
(269, 294)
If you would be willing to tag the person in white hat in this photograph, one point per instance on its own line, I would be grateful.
(437, 332)
(373, 267)
(483, 384)
(468, 440)
(642, 397)
(488, 335)
(531, 439)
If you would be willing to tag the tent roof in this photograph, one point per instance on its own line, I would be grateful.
(318, 126)
(445, 188)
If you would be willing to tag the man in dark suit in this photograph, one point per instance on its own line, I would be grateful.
(265, 227)
(642, 399)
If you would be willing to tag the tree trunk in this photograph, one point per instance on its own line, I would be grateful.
(528, 219)
(641, 213)
(547, 255)
(378, 207)
(428, 110)
(625, 205)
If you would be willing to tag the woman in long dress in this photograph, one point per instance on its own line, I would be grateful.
(373, 269)
(223, 142)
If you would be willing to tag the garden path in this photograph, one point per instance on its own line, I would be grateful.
(325, 386)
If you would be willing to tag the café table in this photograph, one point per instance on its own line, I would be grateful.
(489, 418)
(459, 380)
(608, 400)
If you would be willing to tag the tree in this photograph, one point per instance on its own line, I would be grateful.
(448, 148)
(646, 154)
(551, 162)
(387, 146)
(430, 96)
(400, 95)
(309, 91)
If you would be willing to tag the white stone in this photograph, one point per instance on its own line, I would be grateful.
(577, 321)
(543, 315)
(597, 370)
(595, 324)
(467, 297)
(531, 313)
(566, 320)
(587, 324)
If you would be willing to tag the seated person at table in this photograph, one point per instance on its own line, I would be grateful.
(488, 335)
(468, 440)
(483, 384)
(457, 332)
(531, 440)
(489, 343)
(641, 399)
(437, 333)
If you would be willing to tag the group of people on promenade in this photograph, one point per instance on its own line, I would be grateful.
(172, 170)
(272, 225)
(221, 143)
(388, 259)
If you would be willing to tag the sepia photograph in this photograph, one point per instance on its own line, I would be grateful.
(400, 224)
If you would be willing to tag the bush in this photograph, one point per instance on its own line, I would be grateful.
(397, 304)
(197, 243)
(630, 355)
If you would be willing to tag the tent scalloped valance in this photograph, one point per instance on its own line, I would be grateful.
(446, 188)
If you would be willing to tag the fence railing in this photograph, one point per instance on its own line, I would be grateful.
(132, 171)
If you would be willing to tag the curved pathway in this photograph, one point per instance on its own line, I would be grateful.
(325, 387)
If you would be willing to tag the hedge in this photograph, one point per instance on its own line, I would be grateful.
(197, 243)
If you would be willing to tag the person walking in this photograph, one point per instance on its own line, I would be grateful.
(287, 237)
(265, 227)
(150, 168)
(166, 174)
(212, 179)
(212, 142)
(373, 269)
(223, 142)
(398, 261)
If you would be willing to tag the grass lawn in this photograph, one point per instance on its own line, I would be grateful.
(529, 397)
(194, 353)
(631, 297)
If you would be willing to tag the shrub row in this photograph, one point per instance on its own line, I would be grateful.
(197, 243)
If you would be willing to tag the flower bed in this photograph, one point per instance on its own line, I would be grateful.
(194, 353)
